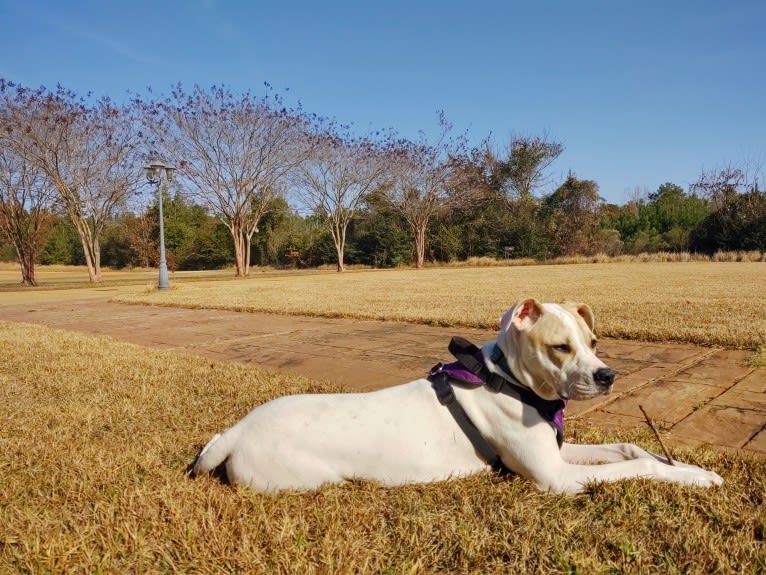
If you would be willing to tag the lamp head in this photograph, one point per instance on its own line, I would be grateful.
(154, 171)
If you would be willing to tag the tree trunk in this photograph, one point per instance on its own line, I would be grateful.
(341, 266)
(90, 247)
(339, 237)
(420, 245)
(91, 258)
(27, 263)
(96, 256)
(249, 248)
(239, 249)
(247, 256)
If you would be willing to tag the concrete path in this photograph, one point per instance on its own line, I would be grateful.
(696, 395)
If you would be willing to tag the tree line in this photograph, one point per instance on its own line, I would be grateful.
(260, 183)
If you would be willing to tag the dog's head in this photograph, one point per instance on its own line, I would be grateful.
(551, 349)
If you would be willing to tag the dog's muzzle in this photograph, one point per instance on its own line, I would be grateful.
(604, 377)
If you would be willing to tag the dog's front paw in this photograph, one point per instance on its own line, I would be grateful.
(705, 478)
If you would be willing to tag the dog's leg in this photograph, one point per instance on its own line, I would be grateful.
(612, 452)
(606, 453)
(573, 477)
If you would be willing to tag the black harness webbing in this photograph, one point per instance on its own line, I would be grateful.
(444, 392)
(471, 359)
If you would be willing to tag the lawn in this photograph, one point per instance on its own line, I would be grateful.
(58, 277)
(96, 435)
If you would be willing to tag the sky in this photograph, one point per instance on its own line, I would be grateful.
(639, 93)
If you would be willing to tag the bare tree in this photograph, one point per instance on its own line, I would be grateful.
(721, 187)
(26, 199)
(738, 209)
(88, 152)
(336, 178)
(427, 180)
(234, 152)
(139, 231)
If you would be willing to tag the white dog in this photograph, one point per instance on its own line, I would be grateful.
(543, 356)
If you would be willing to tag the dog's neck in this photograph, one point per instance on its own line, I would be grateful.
(496, 360)
(551, 409)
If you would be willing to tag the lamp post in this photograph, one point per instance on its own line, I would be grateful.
(154, 176)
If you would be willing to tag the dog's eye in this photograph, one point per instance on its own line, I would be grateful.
(593, 343)
(563, 348)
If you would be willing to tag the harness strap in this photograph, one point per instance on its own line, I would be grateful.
(470, 356)
(446, 395)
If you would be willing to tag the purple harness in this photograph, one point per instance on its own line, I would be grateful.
(471, 370)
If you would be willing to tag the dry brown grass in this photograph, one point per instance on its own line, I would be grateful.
(58, 277)
(759, 358)
(96, 435)
(709, 303)
(600, 258)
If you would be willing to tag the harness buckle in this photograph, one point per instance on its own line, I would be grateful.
(440, 384)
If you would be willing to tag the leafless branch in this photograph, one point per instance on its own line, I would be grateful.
(650, 423)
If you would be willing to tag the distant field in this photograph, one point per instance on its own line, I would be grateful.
(68, 277)
(96, 435)
(709, 303)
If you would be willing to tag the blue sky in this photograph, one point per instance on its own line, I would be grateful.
(640, 93)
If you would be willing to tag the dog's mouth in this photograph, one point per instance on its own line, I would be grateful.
(601, 382)
(604, 391)
(577, 389)
(586, 391)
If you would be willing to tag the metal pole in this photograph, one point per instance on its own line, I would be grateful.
(163, 281)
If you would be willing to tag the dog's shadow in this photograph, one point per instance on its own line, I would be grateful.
(218, 473)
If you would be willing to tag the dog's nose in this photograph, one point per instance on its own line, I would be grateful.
(604, 376)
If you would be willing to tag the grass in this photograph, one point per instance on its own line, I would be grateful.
(759, 358)
(96, 435)
(57, 277)
(707, 303)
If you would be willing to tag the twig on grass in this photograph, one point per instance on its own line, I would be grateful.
(656, 434)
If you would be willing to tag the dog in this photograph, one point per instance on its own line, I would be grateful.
(404, 434)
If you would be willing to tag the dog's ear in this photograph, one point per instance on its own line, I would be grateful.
(522, 316)
(581, 309)
(586, 313)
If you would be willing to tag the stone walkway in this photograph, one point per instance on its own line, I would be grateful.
(696, 395)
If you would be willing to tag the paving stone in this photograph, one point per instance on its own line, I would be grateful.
(668, 401)
(754, 381)
(608, 347)
(577, 408)
(738, 398)
(611, 421)
(721, 369)
(623, 367)
(727, 426)
(676, 444)
(758, 443)
(656, 371)
(671, 354)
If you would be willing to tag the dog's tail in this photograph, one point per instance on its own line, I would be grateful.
(213, 454)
